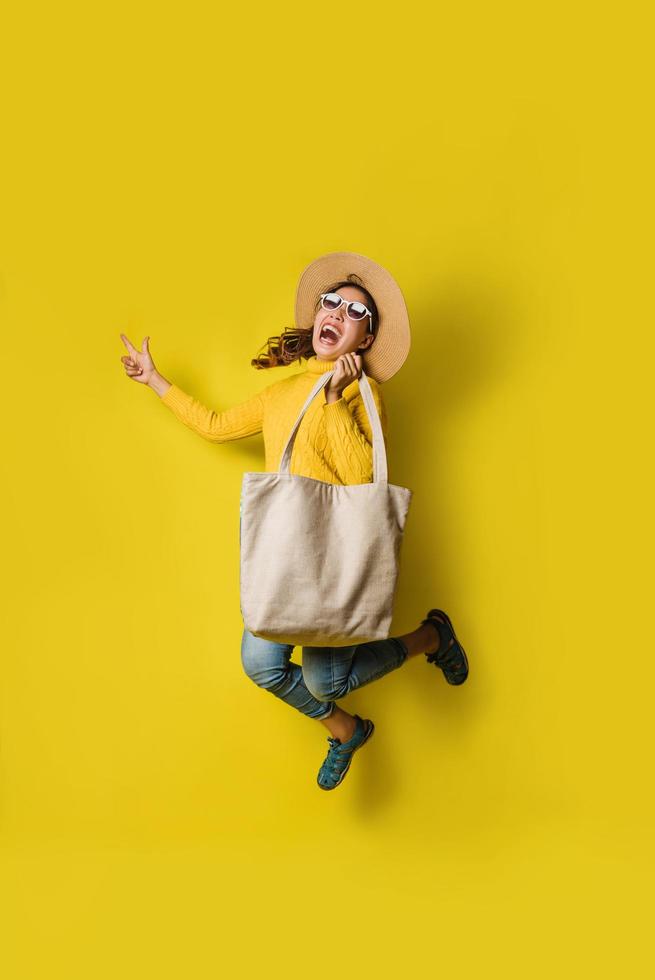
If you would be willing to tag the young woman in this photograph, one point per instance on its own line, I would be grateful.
(350, 314)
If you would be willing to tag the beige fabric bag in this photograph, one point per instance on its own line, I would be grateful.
(319, 562)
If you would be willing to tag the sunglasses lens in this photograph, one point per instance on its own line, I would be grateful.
(356, 311)
(331, 301)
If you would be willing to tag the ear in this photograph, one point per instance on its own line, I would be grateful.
(366, 343)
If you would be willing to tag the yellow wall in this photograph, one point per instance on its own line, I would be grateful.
(171, 172)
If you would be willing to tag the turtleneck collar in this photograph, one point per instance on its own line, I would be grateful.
(314, 366)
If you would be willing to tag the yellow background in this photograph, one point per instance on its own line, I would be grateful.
(170, 170)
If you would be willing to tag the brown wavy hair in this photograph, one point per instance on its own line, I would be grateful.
(295, 343)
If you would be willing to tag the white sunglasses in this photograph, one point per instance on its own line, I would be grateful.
(354, 310)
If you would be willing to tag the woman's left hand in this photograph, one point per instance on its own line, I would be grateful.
(347, 369)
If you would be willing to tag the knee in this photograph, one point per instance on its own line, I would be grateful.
(261, 664)
(318, 678)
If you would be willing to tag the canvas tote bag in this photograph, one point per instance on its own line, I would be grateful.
(319, 562)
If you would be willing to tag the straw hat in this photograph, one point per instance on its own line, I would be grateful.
(388, 352)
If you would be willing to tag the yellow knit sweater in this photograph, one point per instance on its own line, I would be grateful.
(334, 442)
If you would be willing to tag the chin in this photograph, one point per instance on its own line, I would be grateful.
(328, 352)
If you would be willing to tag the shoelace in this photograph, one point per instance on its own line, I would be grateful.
(335, 756)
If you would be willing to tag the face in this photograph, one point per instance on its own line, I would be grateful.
(353, 334)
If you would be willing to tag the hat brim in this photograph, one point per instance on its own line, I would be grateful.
(390, 348)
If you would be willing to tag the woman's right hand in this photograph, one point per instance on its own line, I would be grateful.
(139, 364)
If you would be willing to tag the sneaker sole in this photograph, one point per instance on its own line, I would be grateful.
(368, 734)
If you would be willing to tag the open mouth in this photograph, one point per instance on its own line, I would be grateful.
(329, 335)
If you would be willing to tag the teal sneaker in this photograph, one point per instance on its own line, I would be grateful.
(337, 762)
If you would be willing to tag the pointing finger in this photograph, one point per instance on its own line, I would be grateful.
(128, 344)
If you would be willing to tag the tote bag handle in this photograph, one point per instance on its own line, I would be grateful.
(380, 473)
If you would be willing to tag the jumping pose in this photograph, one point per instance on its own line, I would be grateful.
(350, 314)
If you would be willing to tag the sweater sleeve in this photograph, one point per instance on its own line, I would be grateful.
(245, 419)
(350, 436)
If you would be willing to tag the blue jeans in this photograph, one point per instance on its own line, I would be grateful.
(327, 673)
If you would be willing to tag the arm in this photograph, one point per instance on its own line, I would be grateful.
(349, 434)
(245, 419)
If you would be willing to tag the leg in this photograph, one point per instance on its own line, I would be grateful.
(340, 724)
(332, 672)
(425, 639)
(270, 666)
